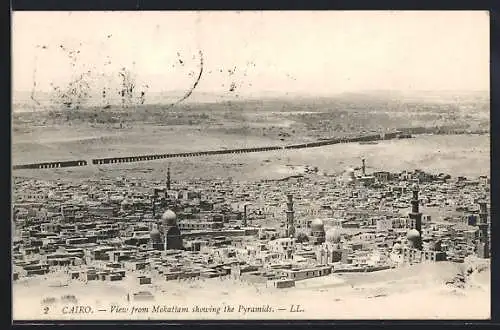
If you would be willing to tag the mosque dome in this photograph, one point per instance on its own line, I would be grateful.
(412, 235)
(317, 225)
(333, 235)
(169, 218)
(396, 247)
(125, 201)
(155, 235)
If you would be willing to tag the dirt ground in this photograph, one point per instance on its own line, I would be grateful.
(414, 292)
(466, 155)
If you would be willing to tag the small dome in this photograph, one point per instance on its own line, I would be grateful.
(317, 225)
(412, 235)
(169, 218)
(125, 201)
(333, 235)
(155, 235)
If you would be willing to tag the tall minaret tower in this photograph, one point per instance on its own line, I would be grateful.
(153, 204)
(483, 249)
(168, 178)
(363, 167)
(290, 226)
(416, 216)
(245, 215)
(156, 192)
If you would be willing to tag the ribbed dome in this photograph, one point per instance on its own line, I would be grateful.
(169, 218)
(333, 235)
(412, 235)
(317, 225)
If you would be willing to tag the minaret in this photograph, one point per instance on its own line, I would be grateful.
(363, 167)
(484, 244)
(168, 178)
(155, 197)
(245, 215)
(416, 216)
(154, 206)
(290, 227)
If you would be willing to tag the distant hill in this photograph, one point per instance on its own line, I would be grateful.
(417, 96)
(23, 102)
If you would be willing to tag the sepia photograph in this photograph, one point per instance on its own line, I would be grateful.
(250, 165)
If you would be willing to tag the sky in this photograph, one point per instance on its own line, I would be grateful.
(310, 53)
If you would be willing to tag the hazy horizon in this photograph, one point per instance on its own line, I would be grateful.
(22, 97)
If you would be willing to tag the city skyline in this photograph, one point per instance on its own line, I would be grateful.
(251, 165)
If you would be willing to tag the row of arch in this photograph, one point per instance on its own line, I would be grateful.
(371, 137)
(118, 160)
(71, 163)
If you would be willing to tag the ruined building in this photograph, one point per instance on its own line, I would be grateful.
(167, 235)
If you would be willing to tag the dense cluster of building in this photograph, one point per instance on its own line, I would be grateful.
(275, 232)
